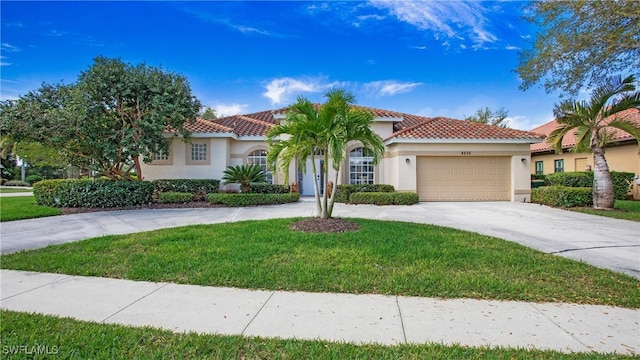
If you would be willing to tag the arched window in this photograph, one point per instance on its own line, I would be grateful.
(361, 168)
(259, 157)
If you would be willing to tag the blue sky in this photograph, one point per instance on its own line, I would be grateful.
(429, 58)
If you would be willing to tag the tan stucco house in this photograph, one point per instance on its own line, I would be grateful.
(622, 155)
(441, 159)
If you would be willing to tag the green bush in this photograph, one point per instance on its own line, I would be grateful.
(193, 186)
(344, 191)
(173, 197)
(571, 179)
(16, 183)
(93, 193)
(621, 183)
(44, 191)
(31, 179)
(405, 198)
(384, 198)
(269, 189)
(538, 177)
(249, 199)
(562, 196)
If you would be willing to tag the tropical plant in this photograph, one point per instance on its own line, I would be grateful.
(245, 175)
(324, 130)
(488, 116)
(592, 122)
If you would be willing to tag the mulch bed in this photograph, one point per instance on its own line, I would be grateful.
(317, 225)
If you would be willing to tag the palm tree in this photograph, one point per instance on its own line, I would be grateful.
(590, 121)
(327, 129)
(244, 175)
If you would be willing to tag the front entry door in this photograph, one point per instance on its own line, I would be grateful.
(307, 178)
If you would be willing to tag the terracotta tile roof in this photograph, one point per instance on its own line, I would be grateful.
(569, 140)
(205, 126)
(410, 126)
(415, 127)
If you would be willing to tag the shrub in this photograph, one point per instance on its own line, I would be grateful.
(384, 198)
(174, 197)
(269, 189)
(405, 198)
(571, 179)
(44, 191)
(16, 183)
(31, 179)
(92, 193)
(538, 177)
(562, 196)
(621, 183)
(193, 186)
(344, 191)
(249, 199)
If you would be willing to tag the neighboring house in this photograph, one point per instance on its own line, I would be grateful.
(439, 158)
(623, 154)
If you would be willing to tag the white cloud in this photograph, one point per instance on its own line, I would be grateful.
(446, 19)
(228, 110)
(389, 87)
(511, 47)
(6, 47)
(283, 89)
(419, 47)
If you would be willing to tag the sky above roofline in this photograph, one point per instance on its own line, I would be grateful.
(429, 58)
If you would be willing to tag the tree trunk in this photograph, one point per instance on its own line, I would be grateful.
(603, 195)
(136, 161)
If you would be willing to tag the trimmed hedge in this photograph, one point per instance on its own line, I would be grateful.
(620, 180)
(269, 189)
(92, 193)
(384, 198)
(193, 186)
(344, 191)
(249, 199)
(31, 179)
(173, 197)
(16, 183)
(562, 196)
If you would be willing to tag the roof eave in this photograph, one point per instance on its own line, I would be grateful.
(460, 141)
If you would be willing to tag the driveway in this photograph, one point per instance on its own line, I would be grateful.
(603, 242)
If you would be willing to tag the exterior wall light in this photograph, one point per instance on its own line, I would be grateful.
(407, 160)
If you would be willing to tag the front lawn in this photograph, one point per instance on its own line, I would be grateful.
(382, 257)
(6, 190)
(24, 207)
(71, 339)
(624, 209)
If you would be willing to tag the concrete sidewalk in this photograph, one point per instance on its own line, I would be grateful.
(335, 317)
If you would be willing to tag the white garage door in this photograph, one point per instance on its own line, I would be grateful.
(463, 178)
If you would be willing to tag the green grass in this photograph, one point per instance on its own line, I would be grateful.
(382, 257)
(23, 207)
(5, 190)
(624, 209)
(66, 338)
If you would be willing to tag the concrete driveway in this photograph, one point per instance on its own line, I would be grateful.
(603, 242)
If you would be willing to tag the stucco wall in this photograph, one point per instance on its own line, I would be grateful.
(178, 168)
(619, 158)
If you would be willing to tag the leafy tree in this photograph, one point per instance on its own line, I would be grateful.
(111, 117)
(244, 175)
(590, 120)
(490, 117)
(209, 114)
(326, 129)
(581, 42)
(38, 155)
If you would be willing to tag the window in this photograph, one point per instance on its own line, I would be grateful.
(259, 157)
(558, 165)
(198, 152)
(160, 156)
(361, 169)
(539, 167)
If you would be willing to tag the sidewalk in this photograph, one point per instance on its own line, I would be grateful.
(335, 317)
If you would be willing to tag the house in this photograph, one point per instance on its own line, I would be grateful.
(623, 154)
(441, 159)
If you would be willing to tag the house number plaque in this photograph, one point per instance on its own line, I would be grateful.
(465, 153)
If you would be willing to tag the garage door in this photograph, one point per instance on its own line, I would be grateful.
(463, 178)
